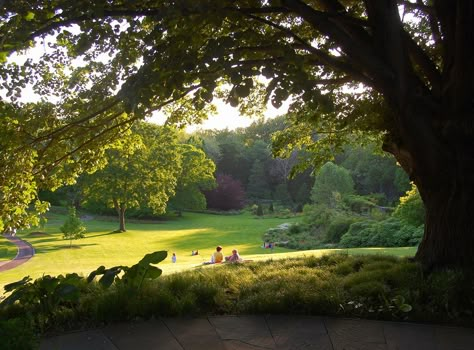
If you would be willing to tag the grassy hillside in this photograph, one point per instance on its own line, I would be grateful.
(193, 231)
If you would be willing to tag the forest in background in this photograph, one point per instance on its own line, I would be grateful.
(352, 201)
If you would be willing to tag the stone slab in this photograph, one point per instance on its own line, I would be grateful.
(409, 336)
(299, 332)
(194, 333)
(454, 338)
(270, 332)
(356, 334)
(148, 335)
(248, 330)
(90, 340)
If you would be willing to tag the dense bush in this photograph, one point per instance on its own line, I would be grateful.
(359, 204)
(387, 233)
(411, 208)
(337, 228)
(319, 217)
(327, 224)
(228, 195)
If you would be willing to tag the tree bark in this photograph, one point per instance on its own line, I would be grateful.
(122, 219)
(120, 208)
(449, 234)
(439, 158)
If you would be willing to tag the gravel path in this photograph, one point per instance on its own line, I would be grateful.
(25, 253)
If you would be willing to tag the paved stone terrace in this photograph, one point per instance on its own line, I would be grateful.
(265, 332)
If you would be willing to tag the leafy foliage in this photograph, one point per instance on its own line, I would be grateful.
(196, 176)
(133, 276)
(142, 172)
(330, 183)
(351, 68)
(228, 194)
(50, 301)
(73, 227)
(373, 172)
(411, 208)
(17, 333)
(387, 233)
(44, 297)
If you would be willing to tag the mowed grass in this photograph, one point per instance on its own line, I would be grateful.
(203, 232)
(7, 250)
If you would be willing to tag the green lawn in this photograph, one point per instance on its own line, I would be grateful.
(180, 235)
(7, 250)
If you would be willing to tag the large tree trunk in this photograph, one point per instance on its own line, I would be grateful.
(430, 124)
(449, 234)
(441, 163)
(120, 208)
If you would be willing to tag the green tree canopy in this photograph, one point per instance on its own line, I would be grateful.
(197, 175)
(331, 182)
(397, 68)
(411, 208)
(73, 228)
(374, 173)
(143, 172)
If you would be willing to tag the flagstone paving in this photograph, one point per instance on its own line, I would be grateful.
(265, 332)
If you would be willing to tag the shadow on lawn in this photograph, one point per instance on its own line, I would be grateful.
(65, 247)
(103, 234)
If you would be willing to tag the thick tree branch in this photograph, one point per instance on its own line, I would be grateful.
(423, 61)
(61, 20)
(429, 10)
(57, 161)
(67, 126)
(433, 25)
(362, 55)
(320, 56)
(265, 10)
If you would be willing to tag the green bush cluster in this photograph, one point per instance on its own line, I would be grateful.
(387, 233)
(358, 221)
(411, 209)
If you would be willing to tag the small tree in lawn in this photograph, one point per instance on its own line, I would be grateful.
(73, 228)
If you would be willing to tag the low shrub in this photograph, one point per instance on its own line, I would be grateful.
(19, 334)
(386, 233)
(378, 287)
(337, 228)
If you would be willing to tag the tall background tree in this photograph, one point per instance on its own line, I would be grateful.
(331, 183)
(397, 68)
(141, 173)
(195, 177)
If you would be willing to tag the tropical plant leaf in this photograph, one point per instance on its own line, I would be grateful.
(68, 292)
(154, 258)
(100, 270)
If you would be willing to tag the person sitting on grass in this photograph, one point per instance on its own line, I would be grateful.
(217, 257)
(235, 257)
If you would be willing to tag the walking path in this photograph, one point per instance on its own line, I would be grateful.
(25, 253)
(265, 332)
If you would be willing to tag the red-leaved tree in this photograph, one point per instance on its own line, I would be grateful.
(229, 194)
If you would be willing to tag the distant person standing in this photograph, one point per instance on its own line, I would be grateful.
(217, 257)
(173, 258)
